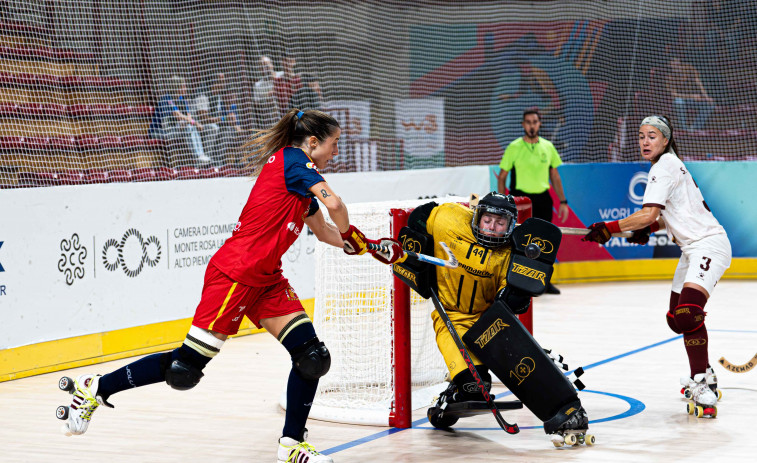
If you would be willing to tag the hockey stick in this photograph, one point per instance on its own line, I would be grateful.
(584, 231)
(738, 368)
(507, 427)
(451, 261)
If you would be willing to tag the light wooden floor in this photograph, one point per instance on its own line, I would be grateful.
(616, 331)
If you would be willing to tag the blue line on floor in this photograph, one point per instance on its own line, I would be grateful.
(635, 406)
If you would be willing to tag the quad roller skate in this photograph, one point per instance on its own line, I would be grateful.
(703, 399)
(84, 402)
(569, 426)
(712, 381)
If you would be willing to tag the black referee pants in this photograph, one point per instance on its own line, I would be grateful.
(540, 202)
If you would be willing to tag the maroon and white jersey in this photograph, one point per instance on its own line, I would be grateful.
(272, 219)
(671, 188)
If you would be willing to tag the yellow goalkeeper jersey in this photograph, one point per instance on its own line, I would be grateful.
(471, 287)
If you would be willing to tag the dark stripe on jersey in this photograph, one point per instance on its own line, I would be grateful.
(653, 205)
(470, 250)
(204, 345)
(705, 205)
(483, 257)
(459, 290)
(473, 296)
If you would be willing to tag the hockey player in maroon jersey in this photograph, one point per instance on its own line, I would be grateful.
(244, 277)
(673, 202)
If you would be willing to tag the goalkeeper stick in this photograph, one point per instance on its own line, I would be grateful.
(507, 427)
(451, 261)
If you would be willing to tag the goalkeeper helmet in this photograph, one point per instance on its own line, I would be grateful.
(494, 219)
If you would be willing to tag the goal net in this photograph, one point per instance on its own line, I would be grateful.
(88, 87)
(354, 315)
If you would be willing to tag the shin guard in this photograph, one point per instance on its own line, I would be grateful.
(509, 350)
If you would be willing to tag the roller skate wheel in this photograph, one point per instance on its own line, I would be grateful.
(66, 384)
(581, 438)
(589, 439)
(687, 393)
(699, 411)
(571, 439)
(557, 441)
(719, 393)
(61, 412)
(690, 408)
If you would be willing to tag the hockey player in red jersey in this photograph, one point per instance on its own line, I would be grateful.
(244, 277)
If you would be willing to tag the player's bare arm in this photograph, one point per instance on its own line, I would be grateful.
(640, 219)
(554, 177)
(501, 180)
(333, 203)
(324, 231)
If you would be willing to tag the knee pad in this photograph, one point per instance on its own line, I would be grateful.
(182, 376)
(670, 318)
(688, 317)
(312, 360)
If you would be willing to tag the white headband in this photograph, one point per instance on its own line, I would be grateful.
(658, 123)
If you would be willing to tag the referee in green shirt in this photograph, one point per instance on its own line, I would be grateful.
(533, 161)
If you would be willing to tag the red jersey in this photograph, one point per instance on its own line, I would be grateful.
(272, 219)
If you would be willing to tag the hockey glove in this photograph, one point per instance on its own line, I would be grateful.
(517, 301)
(642, 236)
(601, 232)
(354, 241)
(393, 253)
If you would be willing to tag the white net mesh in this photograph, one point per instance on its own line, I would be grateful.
(353, 316)
(88, 88)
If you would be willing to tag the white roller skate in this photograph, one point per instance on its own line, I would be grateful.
(293, 451)
(83, 403)
(712, 381)
(703, 399)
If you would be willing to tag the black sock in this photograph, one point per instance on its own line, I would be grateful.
(467, 388)
(147, 370)
(300, 391)
(140, 373)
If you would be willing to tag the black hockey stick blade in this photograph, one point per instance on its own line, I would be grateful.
(507, 427)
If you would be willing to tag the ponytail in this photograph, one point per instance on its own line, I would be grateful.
(292, 130)
(671, 148)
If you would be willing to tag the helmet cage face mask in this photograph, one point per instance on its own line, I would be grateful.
(487, 240)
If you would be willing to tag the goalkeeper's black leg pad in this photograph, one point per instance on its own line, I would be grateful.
(509, 350)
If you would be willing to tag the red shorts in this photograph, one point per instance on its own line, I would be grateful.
(225, 302)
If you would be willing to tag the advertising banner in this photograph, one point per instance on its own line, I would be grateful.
(604, 192)
(420, 124)
(77, 260)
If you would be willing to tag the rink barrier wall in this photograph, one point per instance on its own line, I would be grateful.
(63, 354)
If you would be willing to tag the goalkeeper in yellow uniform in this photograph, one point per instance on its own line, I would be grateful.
(494, 281)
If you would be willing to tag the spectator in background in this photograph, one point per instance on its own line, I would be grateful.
(263, 96)
(685, 86)
(309, 95)
(286, 83)
(210, 127)
(222, 112)
(534, 162)
(173, 119)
